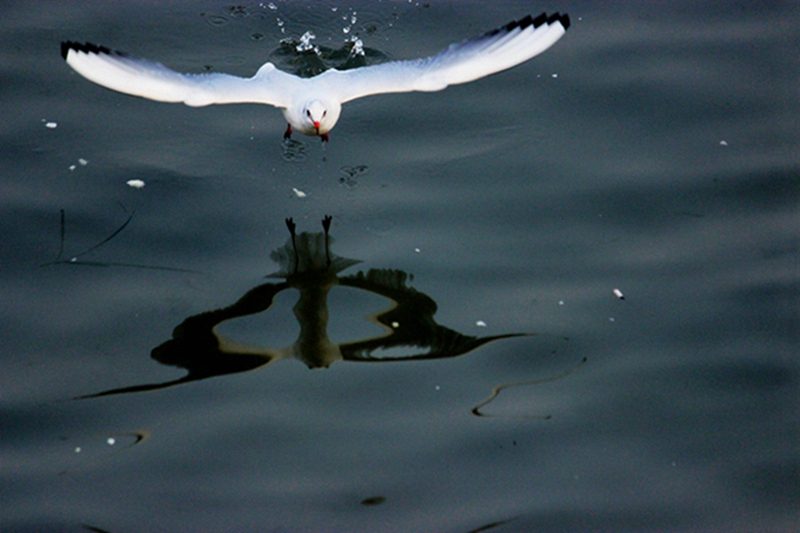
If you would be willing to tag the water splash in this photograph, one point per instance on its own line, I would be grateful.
(357, 49)
(305, 43)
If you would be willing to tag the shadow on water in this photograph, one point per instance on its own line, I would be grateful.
(308, 266)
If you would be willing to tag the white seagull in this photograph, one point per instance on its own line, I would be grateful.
(312, 105)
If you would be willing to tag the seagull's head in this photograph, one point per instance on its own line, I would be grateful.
(319, 117)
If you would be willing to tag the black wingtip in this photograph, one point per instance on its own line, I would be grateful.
(88, 48)
(528, 20)
(557, 17)
(541, 19)
(66, 46)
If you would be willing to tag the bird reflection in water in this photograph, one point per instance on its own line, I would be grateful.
(308, 266)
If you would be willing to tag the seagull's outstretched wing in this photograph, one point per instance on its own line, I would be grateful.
(139, 77)
(462, 62)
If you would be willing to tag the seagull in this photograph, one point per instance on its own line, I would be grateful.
(312, 105)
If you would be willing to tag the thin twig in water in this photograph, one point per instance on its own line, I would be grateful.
(74, 260)
(496, 392)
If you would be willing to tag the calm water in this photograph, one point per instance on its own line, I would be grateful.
(653, 150)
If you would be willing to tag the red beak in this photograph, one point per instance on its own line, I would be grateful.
(316, 125)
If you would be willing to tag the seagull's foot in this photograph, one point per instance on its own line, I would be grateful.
(324, 137)
(288, 133)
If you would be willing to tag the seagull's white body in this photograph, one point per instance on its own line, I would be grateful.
(312, 105)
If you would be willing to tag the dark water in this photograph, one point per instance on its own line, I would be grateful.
(653, 150)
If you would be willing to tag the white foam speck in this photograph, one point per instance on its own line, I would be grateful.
(136, 184)
(299, 193)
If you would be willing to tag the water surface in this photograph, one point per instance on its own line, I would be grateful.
(653, 150)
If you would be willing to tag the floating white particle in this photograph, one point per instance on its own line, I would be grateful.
(555, 75)
(299, 193)
(561, 302)
(723, 143)
(83, 162)
(72, 167)
(395, 325)
(417, 250)
(78, 449)
(480, 324)
(437, 387)
(111, 441)
(618, 294)
(136, 184)
(611, 319)
(51, 125)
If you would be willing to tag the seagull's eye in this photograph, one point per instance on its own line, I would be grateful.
(308, 113)
(324, 113)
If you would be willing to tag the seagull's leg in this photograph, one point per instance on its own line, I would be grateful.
(290, 224)
(288, 133)
(326, 225)
(324, 137)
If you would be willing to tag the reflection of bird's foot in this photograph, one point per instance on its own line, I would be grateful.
(324, 137)
(326, 225)
(291, 225)
(288, 133)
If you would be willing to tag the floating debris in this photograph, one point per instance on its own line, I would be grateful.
(111, 441)
(136, 184)
(299, 193)
(723, 143)
(480, 324)
(81, 161)
(51, 125)
(618, 294)
(374, 500)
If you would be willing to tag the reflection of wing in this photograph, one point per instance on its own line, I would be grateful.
(195, 346)
(411, 324)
